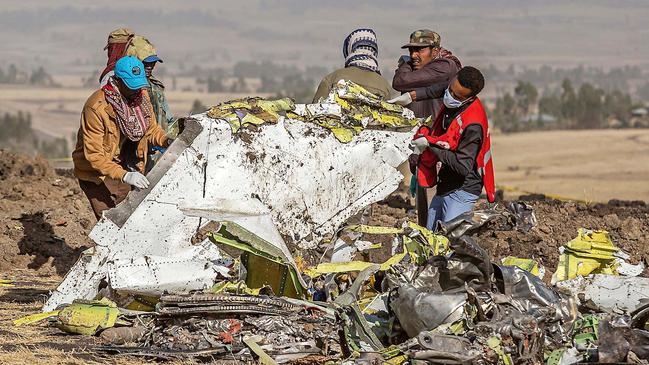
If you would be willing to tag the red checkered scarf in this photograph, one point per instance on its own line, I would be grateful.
(133, 116)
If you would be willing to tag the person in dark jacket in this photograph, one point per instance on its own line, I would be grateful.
(428, 64)
(459, 182)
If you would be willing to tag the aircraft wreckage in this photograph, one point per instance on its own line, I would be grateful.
(287, 181)
(198, 265)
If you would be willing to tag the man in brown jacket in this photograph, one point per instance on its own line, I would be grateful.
(360, 50)
(117, 126)
(428, 64)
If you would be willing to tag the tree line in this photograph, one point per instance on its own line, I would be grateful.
(13, 75)
(570, 107)
(16, 133)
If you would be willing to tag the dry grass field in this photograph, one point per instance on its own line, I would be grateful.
(56, 111)
(589, 165)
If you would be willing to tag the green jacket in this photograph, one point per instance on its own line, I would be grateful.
(370, 80)
(161, 109)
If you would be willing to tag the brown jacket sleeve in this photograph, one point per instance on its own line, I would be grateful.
(93, 145)
(157, 137)
(406, 79)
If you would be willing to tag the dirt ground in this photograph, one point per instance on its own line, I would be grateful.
(558, 221)
(45, 219)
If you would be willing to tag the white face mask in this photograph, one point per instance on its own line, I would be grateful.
(451, 102)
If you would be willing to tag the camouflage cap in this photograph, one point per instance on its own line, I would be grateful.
(424, 38)
(120, 35)
(141, 48)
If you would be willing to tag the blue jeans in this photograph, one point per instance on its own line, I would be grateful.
(445, 208)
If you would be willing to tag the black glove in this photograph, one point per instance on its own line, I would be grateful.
(403, 59)
(413, 161)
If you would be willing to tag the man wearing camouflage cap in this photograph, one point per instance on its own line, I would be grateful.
(141, 48)
(428, 64)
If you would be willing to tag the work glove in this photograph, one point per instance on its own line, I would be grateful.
(419, 145)
(136, 179)
(403, 59)
(403, 99)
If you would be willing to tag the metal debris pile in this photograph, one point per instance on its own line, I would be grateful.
(212, 261)
(438, 299)
(236, 326)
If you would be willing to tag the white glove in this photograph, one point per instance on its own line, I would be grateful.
(136, 179)
(418, 145)
(403, 99)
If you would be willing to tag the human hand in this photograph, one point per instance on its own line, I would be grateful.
(136, 179)
(403, 99)
(419, 145)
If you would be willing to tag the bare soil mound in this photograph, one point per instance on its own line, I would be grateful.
(558, 222)
(44, 218)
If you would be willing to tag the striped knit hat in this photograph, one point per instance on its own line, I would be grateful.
(361, 49)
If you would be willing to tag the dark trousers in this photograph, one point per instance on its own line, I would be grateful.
(104, 195)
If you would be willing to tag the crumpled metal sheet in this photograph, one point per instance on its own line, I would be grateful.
(418, 310)
(469, 265)
(524, 217)
(608, 293)
(467, 222)
(321, 181)
(427, 296)
(532, 294)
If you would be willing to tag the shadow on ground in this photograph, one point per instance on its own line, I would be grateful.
(40, 241)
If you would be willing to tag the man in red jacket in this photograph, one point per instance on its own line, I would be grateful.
(465, 155)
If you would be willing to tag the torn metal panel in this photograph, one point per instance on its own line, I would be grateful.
(608, 293)
(153, 275)
(308, 181)
(273, 266)
(82, 280)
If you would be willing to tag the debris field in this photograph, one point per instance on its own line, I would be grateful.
(258, 252)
